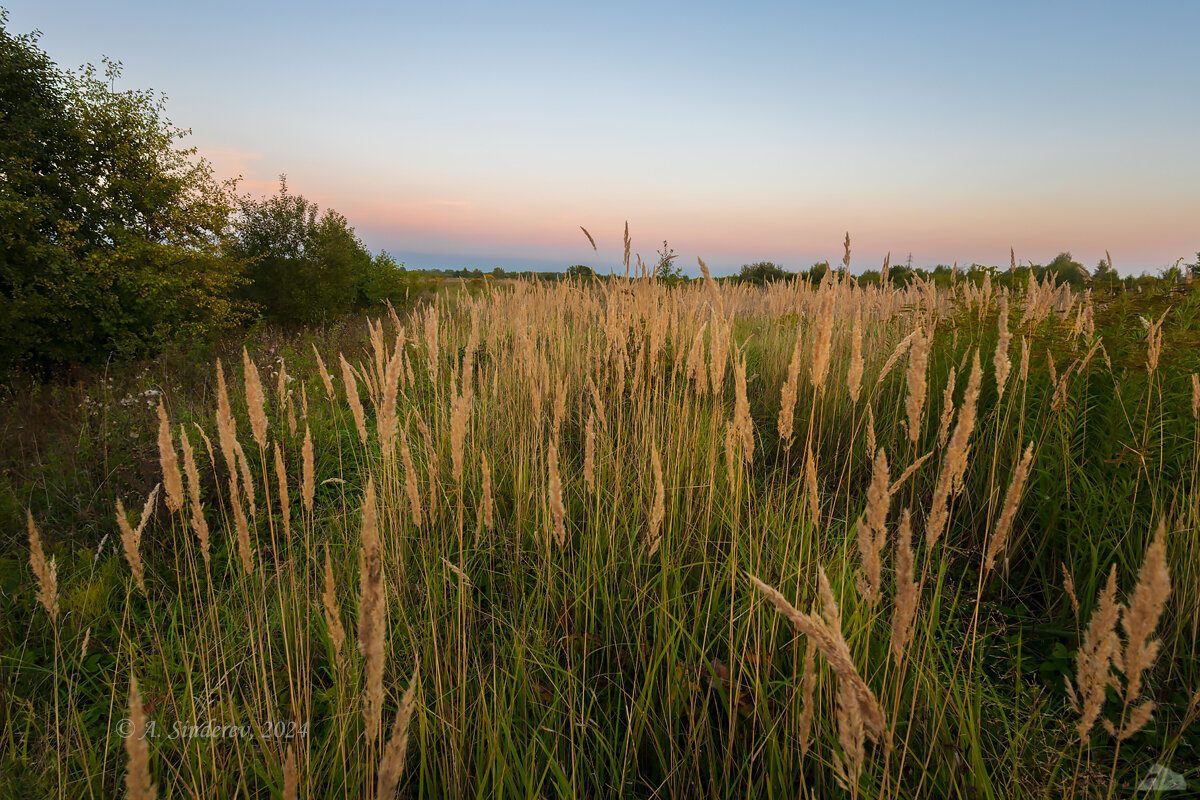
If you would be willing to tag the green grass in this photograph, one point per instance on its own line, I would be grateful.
(597, 668)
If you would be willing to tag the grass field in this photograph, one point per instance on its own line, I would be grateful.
(619, 539)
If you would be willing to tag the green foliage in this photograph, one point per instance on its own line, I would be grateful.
(111, 235)
(382, 282)
(304, 266)
(762, 272)
(576, 271)
(1065, 269)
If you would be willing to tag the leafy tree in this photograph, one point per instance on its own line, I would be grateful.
(580, 271)
(817, 272)
(304, 265)
(384, 281)
(110, 236)
(1065, 268)
(762, 272)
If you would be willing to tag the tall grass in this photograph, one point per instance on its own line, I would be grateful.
(563, 536)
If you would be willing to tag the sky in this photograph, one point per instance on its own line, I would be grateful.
(482, 134)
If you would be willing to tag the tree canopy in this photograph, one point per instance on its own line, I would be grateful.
(110, 235)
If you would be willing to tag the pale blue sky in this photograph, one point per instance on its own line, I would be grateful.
(471, 134)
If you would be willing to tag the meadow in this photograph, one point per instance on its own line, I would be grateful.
(617, 538)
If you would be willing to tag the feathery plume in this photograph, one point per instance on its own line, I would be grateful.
(1093, 661)
(291, 784)
(1002, 363)
(626, 257)
(787, 400)
(285, 508)
(954, 463)
(245, 547)
(1143, 612)
(829, 640)
(391, 764)
(870, 429)
(896, 355)
(172, 480)
(372, 614)
(307, 476)
(872, 530)
(1069, 588)
(741, 411)
(810, 485)
(908, 591)
(137, 773)
(325, 377)
(356, 406)
(591, 241)
(333, 615)
(131, 538)
(46, 572)
(247, 479)
(488, 502)
(589, 452)
(657, 510)
(1004, 524)
(226, 425)
(256, 400)
(822, 339)
(855, 373)
(947, 409)
(808, 686)
(918, 361)
(554, 489)
(199, 523)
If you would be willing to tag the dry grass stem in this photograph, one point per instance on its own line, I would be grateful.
(138, 785)
(131, 537)
(908, 591)
(256, 400)
(555, 491)
(1000, 533)
(918, 361)
(372, 614)
(658, 508)
(45, 572)
(391, 765)
(172, 479)
(1142, 614)
(199, 523)
(332, 612)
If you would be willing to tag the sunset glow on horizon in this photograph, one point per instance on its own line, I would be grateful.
(473, 135)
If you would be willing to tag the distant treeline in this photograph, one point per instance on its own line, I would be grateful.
(1063, 268)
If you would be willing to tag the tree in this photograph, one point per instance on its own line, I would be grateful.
(580, 271)
(110, 237)
(304, 265)
(666, 270)
(1066, 269)
(384, 281)
(762, 272)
